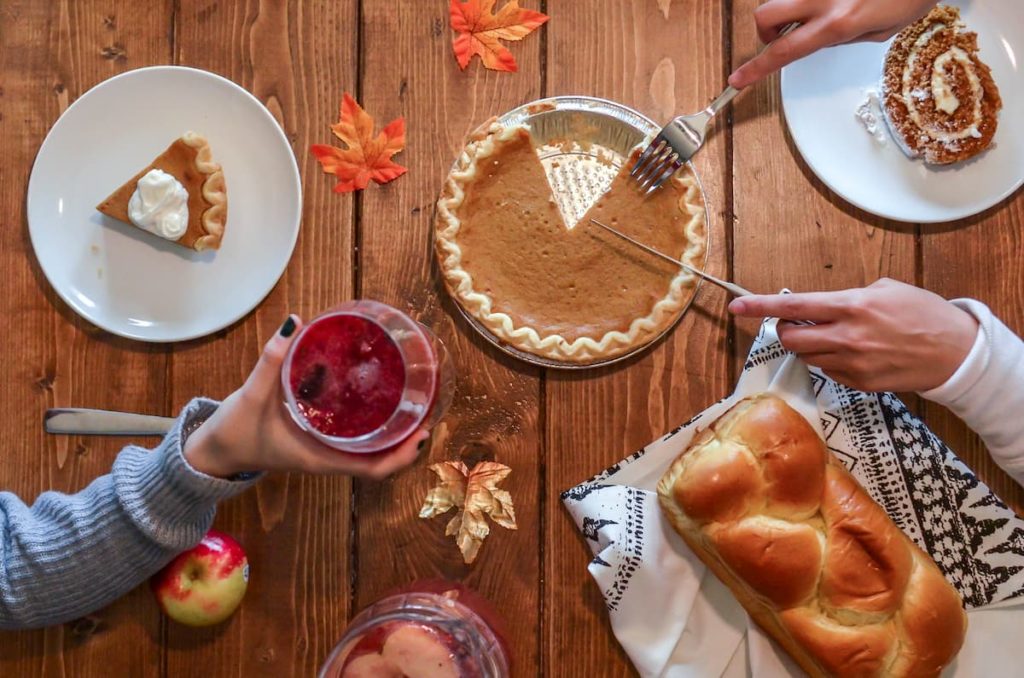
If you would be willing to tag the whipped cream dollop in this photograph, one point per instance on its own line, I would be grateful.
(160, 205)
(869, 113)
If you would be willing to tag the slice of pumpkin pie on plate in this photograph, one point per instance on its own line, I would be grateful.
(181, 196)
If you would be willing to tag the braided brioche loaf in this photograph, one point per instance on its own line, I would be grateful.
(815, 562)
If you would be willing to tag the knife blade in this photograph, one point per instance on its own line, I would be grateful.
(82, 421)
(732, 288)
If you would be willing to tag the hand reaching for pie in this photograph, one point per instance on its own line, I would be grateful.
(888, 336)
(252, 431)
(823, 23)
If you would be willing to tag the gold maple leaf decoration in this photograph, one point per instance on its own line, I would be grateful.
(475, 494)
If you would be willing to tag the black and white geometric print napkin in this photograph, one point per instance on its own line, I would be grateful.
(976, 540)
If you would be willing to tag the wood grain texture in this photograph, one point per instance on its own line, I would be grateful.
(50, 54)
(979, 258)
(790, 230)
(314, 565)
(294, 57)
(409, 69)
(663, 66)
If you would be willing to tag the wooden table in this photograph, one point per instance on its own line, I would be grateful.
(322, 548)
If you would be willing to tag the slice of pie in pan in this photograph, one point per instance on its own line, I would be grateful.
(573, 293)
(181, 196)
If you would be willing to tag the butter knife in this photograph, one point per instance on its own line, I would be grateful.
(731, 288)
(81, 421)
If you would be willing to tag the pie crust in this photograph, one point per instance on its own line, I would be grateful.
(634, 296)
(189, 160)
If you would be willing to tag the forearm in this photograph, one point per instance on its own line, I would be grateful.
(68, 555)
(987, 391)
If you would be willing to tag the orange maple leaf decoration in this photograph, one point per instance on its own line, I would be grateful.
(478, 31)
(364, 157)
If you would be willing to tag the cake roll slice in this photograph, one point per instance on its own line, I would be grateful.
(939, 98)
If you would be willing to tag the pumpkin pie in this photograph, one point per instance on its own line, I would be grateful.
(190, 162)
(938, 96)
(568, 292)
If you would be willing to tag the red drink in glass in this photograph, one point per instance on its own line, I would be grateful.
(364, 377)
(432, 629)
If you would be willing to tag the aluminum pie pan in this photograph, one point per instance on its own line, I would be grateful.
(610, 132)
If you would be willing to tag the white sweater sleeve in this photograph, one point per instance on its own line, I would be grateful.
(987, 390)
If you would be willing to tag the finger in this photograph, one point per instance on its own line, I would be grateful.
(801, 339)
(875, 36)
(374, 466)
(804, 40)
(397, 459)
(827, 362)
(814, 306)
(267, 373)
(774, 14)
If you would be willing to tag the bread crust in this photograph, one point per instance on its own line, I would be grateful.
(887, 610)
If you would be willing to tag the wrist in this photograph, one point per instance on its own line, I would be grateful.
(962, 333)
(205, 454)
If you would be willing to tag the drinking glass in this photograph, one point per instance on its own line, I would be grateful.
(363, 377)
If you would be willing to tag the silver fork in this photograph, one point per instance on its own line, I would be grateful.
(681, 139)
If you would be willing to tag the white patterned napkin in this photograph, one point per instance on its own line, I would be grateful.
(675, 619)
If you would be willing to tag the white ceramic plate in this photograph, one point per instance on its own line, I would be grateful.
(821, 93)
(129, 282)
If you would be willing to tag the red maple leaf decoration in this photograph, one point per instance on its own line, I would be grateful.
(365, 157)
(478, 31)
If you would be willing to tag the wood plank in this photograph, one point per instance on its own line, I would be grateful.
(294, 57)
(409, 69)
(790, 230)
(820, 242)
(979, 258)
(51, 53)
(663, 59)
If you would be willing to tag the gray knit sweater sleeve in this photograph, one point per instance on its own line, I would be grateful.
(67, 556)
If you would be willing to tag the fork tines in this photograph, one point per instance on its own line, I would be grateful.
(656, 164)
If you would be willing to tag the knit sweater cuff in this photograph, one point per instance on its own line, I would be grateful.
(170, 501)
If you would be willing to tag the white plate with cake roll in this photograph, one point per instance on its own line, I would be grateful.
(919, 128)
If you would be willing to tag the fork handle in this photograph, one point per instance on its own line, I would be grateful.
(722, 100)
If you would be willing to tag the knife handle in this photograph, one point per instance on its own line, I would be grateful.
(81, 421)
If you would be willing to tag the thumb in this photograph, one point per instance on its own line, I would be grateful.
(267, 373)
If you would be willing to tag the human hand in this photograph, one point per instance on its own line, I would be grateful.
(823, 23)
(252, 431)
(888, 336)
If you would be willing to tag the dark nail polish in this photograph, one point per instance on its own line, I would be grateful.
(288, 328)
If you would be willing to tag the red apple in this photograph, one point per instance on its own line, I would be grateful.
(205, 584)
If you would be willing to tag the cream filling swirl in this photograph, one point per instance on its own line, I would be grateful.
(941, 88)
